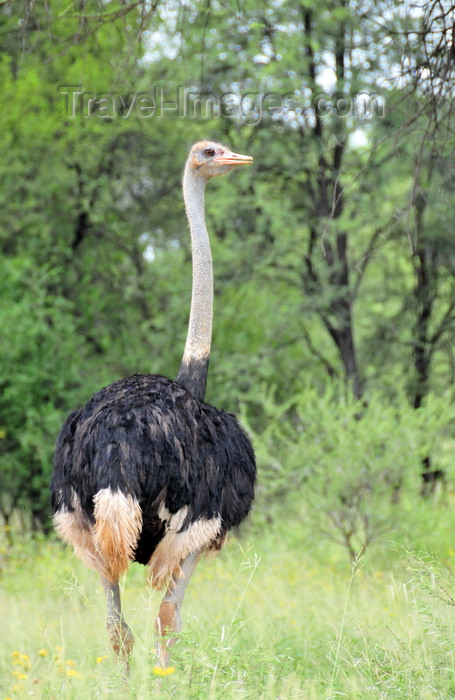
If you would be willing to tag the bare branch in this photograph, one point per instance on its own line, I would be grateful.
(365, 259)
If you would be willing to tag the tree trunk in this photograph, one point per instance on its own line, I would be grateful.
(425, 292)
(327, 205)
(344, 340)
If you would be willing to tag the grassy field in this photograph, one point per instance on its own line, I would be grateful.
(284, 618)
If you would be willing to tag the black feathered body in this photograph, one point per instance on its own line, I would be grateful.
(149, 440)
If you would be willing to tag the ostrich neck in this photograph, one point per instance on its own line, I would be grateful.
(193, 369)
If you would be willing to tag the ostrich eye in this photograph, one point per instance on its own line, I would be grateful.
(209, 152)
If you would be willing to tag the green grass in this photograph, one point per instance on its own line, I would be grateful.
(281, 619)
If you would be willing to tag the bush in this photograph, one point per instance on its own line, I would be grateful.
(349, 470)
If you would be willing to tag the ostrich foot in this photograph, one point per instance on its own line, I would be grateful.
(167, 626)
(120, 635)
(122, 640)
(168, 623)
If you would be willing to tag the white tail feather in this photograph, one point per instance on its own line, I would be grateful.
(118, 522)
(175, 546)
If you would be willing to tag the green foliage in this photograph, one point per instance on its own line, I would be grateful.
(348, 470)
(95, 257)
(37, 340)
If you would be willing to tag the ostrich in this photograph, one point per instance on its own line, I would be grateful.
(147, 471)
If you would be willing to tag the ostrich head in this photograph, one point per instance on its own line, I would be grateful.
(208, 158)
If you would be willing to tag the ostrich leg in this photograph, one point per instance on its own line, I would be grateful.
(120, 635)
(168, 622)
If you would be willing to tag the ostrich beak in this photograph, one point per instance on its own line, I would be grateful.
(230, 158)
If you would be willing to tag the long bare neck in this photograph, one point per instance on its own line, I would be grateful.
(193, 369)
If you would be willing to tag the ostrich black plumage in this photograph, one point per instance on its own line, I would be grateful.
(147, 471)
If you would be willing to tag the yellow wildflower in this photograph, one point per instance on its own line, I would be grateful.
(22, 660)
(16, 654)
(43, 652)
(72, 673)
(99, 659)
(70, 662)
(20, 676)
(158, 671)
